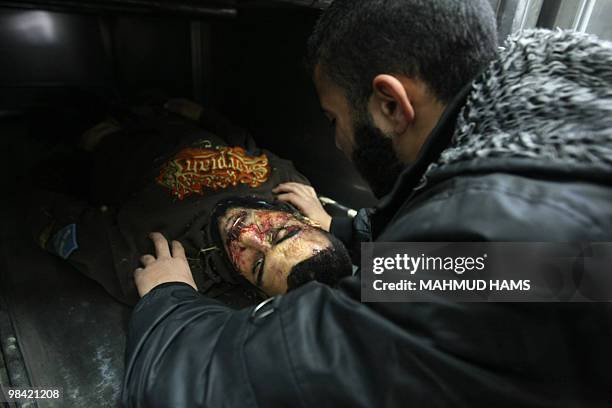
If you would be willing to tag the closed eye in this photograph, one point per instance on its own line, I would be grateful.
(284, 234)
(281, 235)
(258, 269)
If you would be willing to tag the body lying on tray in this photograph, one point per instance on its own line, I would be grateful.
(191, 175)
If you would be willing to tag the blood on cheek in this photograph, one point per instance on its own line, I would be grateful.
(242, 257)
(271, 220)
(240, 254)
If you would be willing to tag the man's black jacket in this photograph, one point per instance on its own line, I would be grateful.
(515, 158)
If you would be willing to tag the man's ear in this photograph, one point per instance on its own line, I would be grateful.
(391, 102)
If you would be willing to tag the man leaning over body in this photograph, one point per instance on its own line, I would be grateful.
(191, 176)
(463, 142)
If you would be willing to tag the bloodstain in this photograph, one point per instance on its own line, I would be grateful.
(268, 221)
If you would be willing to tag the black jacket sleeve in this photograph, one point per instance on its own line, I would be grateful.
(342, 228)
(185, 350)
(176, 337)
(321, 347)
(352, 231)
(313, 347)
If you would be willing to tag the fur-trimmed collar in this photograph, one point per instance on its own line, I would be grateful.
(546, 99)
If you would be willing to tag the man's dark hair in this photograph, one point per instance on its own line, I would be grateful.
(327, 266)
(445, 43)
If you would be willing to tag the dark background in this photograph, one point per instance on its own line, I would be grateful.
(249, 67)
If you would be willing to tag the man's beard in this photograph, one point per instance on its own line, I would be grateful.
(375, 158)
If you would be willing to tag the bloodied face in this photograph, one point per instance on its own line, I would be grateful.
(263, 245)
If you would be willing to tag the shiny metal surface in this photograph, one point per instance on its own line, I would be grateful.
(218, 8)
(40, 47)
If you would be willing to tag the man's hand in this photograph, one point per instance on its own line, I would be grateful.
(164, 267)
(305, 199)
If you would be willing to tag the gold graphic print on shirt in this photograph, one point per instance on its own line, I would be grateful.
(194, 169)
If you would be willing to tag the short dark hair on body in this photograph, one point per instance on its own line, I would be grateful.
(444, 43)
(327, 266)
